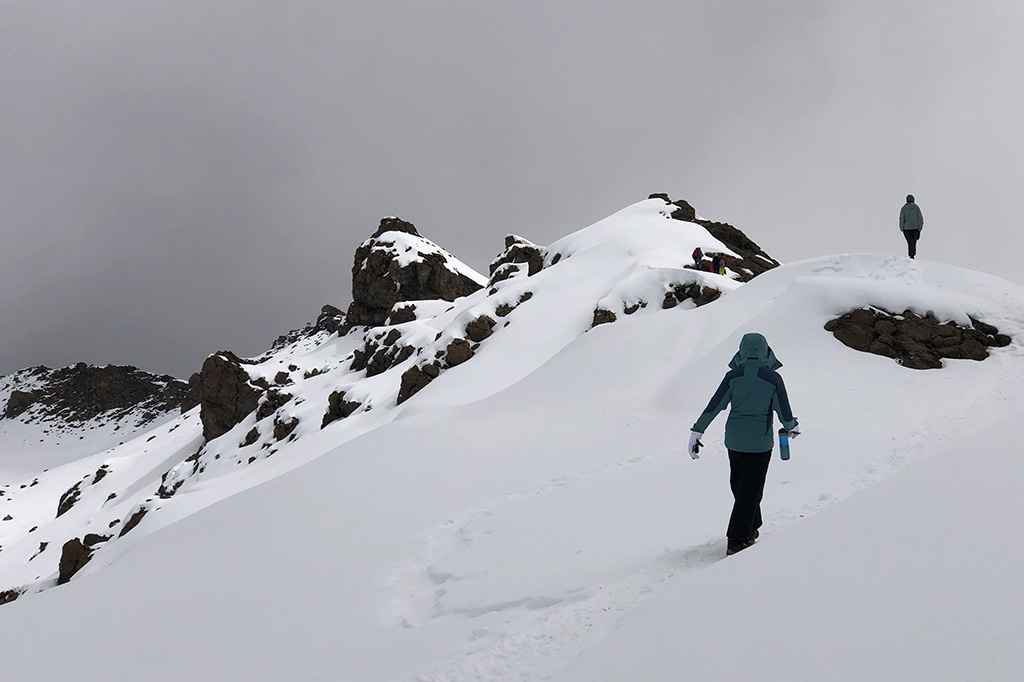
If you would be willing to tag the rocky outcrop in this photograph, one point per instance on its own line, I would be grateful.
(457, 352)
(83, 392)
(913, 341)
(226, 393)
(397, 264)
(18, 402)
(339, 407)
(692, 291)
(752, 259)
(134, 520)
(74, 555)
(416, 379)
(380, 352)
(69, 498)
(520, 255)
(331, 320)
(603, 316)
(480, 328)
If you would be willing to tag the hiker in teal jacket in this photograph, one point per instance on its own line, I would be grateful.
(911, 224)
(755, 390)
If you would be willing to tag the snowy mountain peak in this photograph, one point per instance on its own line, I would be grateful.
(488, 487)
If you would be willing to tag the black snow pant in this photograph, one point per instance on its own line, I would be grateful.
(747, 473)
(912, 237)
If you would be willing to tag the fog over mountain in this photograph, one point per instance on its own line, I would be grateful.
(190, 176)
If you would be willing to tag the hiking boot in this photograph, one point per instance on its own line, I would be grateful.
(734, 547)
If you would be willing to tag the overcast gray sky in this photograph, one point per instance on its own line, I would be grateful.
(181, 177)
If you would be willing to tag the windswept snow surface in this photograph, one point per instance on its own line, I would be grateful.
(532, 514)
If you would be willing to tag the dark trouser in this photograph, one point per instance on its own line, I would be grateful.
(912, 237)
(747, 473)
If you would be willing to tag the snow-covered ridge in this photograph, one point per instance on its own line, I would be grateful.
(317, 384)
(525, 504)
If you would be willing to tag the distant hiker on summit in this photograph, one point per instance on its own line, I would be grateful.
(755, 390)
(911, 223)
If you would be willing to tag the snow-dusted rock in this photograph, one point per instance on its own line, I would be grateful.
(227, 393)
(398, 264)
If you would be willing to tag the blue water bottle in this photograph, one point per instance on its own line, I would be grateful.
(784, 443)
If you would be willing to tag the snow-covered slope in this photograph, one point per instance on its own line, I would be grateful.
(531, 514)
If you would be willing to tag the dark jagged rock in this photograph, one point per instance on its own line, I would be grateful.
(379, 280)
(250, 438)
(83, 392)
(283, 429)
(752, 259)
(272, 401)
(458, 352)
(227, 394)
(480, 328)
(913, 341)
(7, 596)
(68, 499)
(504, 309)
(132, 522)
(381, 352)
(193, 395)
(18, 402)
(518, 252)
(100, 474)
(331, 319)
(692, 291)
(402, 314)
(416, 379)
(74, 556)
(338, 407)
(93, 539)
(602, 316)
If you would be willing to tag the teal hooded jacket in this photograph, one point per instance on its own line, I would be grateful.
(755, 390)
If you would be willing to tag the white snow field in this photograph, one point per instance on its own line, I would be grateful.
(532, 513)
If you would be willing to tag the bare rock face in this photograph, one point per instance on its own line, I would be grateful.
(339, 407)
(331, 319)
(752, 259)
(82, 392)
(458, 352)
(384, 273)
(19, 402)
(602, 316)
(519, 255)
(74, 555)
(692, 291)
(416, 379)
(226, 393)
(479, 329)
(913, 341)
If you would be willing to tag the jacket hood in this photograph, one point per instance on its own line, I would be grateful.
(754, 346)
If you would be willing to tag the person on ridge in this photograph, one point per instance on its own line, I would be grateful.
(755, 389)
(698, 256)
(911, 224)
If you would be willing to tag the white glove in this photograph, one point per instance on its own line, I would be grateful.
(794, 432)
(695, 444)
